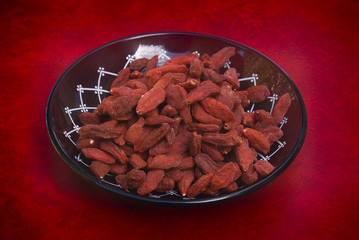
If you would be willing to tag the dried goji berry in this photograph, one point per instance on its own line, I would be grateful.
(212, 151)
(154, 137)
(262, 115)
(110, 123)
(99, 155)
(206, 164)
(202, 116)
(200, 185)
(217, 109)
(154, 78)
(185, 114)
(182, 142)
(151, 64)
(169, 111)
(126, 91)
(258, 93)
(178, 78)
(165, 185)
(173, 68)
(127, 117)
(205, 89)
(145, 132)
(89, 118)
(121, 129)
(238, 112)
(171, 136)
(103, 107)
(121, 78)
(153, 178)
(138, 64)
(122, 105)
(164, 161)
(186, 163)
(136, 74)
(196, 68)
(257, 140)
(195, 146)
(205, 57)
(263, 167)
(190, 83)
(134, 132)
(163, 81)
(210, 74)
(121, 180)
(211, 192)
(243, 96)
(184, 59)
(174, 174)
(281, 108)
(221, 57)
(225, 176)
(150, 100)
(137, 162)
(249, 177)
(158, 119)
(222, 139)
(231, 76)
(99, 168)
(224, 149)
(248, 119)
(161, 147)
(118, 168)
(176, 96)
(152, 113)
(128, 149)
(231, 187)
(135, 178)
(244, 156)
(185, 182)
(135, 84)
(111, 148)
(272, 133)
(203, 127)
(228, 97)
(84, 142)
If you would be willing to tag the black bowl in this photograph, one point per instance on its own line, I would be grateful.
(87, 81)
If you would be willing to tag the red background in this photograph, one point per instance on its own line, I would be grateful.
(315, 42)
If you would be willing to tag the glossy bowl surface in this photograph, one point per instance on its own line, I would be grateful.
(87, 81)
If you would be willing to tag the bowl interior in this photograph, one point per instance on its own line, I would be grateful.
(86, 82)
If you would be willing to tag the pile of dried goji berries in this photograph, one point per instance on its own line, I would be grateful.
(181, 125)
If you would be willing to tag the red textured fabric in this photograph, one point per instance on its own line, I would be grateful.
(315, 42)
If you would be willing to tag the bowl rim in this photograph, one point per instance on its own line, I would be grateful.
(166, 202)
